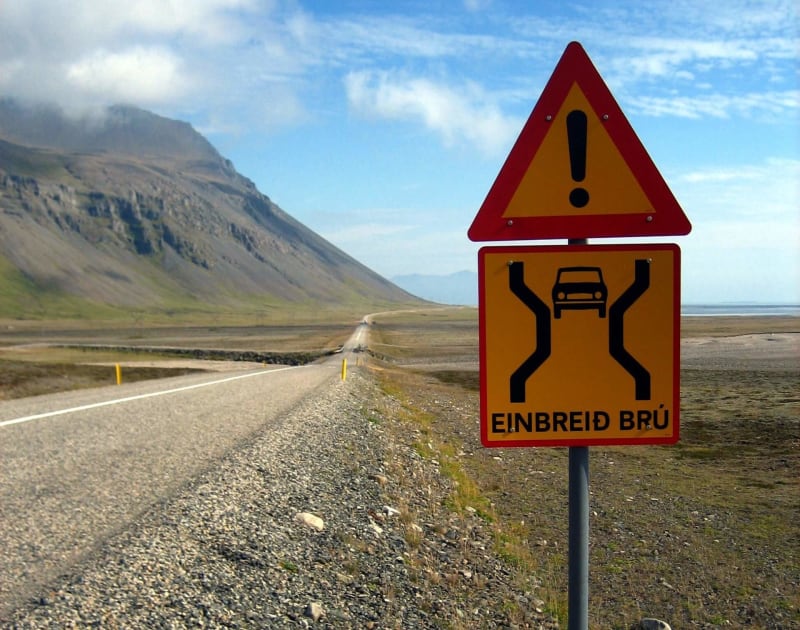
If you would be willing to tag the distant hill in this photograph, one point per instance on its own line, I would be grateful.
(119, 130)
(456, 288)
(130, 210)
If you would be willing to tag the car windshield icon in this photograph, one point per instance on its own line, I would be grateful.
(579, 288)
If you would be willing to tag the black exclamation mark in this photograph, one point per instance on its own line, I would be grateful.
(576, 137)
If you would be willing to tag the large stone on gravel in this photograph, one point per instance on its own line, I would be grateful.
(315, 611)
(310, 520)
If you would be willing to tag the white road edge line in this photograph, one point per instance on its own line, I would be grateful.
(117, 401)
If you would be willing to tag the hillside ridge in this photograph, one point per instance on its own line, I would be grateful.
(141, 211)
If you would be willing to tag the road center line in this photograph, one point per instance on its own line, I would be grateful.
(117, 401)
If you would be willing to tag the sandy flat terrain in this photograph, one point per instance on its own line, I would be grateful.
(751, 351)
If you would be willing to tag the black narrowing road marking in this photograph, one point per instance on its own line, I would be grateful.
(616, 332)
(516, 282)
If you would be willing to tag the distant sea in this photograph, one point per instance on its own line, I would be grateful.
(741, 310)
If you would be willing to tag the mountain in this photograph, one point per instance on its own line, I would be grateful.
(129, 210)
(456, 288)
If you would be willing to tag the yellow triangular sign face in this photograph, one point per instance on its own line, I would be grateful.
(577, 170)
(609, 185)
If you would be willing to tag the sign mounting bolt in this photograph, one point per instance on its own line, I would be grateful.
(649, 218)
(510, 222)
(549, 117)
(605, 116)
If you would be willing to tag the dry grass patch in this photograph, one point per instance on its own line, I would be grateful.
(733, 326)
(703, 534)
(413, 336)
(19, 379)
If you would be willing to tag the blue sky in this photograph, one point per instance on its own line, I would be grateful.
(382, 125)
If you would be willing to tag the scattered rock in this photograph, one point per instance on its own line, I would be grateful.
(376, 528)
(310, 520)
(315, 611)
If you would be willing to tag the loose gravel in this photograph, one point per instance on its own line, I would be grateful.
(236, 547)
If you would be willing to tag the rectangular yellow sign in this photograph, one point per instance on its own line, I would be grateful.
(579, 345)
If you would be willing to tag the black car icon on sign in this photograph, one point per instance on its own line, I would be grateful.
(579, 288)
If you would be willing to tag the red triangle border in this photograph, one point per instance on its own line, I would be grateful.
(668, 217)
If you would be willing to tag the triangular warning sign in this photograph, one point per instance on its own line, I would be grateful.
(577, 170)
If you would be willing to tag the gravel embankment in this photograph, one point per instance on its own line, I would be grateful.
(228, 549)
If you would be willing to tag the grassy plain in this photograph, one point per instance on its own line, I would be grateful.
(702, 534)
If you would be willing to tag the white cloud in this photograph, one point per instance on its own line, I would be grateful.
(752, 17)
(234, 51)
(9, 69)
(143, 75)
(214, 19)
(769, 191)
(57, 28)
(204, 56)
(685, 65)
(663, 54)
(368, 38)
(761, 104)
(787, 170)
(458, 115)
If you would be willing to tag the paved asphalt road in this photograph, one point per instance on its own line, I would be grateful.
(77, 467)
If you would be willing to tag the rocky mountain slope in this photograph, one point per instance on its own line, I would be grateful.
(133, 210)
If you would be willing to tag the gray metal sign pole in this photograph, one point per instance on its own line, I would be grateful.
(578, 538)
(578, 599)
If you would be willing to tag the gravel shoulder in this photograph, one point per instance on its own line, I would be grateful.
(228, 550)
